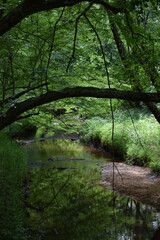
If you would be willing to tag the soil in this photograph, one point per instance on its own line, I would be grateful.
(137, 182)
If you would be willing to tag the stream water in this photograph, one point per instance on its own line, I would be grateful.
(68, 202)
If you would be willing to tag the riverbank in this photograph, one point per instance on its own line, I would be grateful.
(137, 182)
(137, 143)
(140, 183)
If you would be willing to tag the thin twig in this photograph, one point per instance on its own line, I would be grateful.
(7, 100)
(109, 84)
(75, 34)
(27, 116)
(67, 125)
(51, 47)
(136, 130)
(55, 195)
(118, 172)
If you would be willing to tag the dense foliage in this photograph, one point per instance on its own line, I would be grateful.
(137, 142)
(47, 49)
(114, 45)
(12, 176)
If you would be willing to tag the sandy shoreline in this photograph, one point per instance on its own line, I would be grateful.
(137, 182)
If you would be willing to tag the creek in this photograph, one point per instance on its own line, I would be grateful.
(68, 202)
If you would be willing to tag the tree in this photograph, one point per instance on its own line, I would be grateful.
(73, 41)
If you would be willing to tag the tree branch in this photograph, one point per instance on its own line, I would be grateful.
(75, 33)
(15, 111)
(51, 47)
(122, 52)
(29, 7)
(27, 116)
(18, 95)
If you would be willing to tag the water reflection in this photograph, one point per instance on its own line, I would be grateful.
(68, 205)
(62, 148)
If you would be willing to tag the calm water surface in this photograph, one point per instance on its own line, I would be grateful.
(106, 216)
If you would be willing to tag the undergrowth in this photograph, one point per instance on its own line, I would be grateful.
(12, 174)
(137, 142)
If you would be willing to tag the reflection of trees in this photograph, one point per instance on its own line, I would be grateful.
(143, 216)
(71, 204)
(156, 235)
(83, 211)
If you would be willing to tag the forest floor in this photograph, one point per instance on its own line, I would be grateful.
(137, 182)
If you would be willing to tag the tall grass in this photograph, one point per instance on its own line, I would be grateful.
(12, 174)
(137, 142)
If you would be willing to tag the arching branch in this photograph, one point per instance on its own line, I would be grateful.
(14, 112)
(29, 7)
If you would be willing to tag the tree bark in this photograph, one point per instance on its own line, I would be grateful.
(14, 112)
(122, 52)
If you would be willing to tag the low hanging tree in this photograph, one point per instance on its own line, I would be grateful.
(33, 51)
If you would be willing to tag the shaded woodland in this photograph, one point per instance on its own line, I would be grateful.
(75, 70)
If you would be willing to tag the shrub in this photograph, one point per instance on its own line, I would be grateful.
(136, 141)
(40, 132)
(12, 175)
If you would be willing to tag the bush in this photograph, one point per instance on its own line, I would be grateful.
(138, 142)
(40, 132)
(12, 175)
(22, 128)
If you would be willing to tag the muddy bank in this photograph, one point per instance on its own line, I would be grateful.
(137, 182)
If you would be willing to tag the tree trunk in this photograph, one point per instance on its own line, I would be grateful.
(122, 52)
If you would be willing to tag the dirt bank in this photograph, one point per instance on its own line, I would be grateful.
(137, 182)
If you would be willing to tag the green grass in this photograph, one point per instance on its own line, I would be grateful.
(12, 175)
(136, 143)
